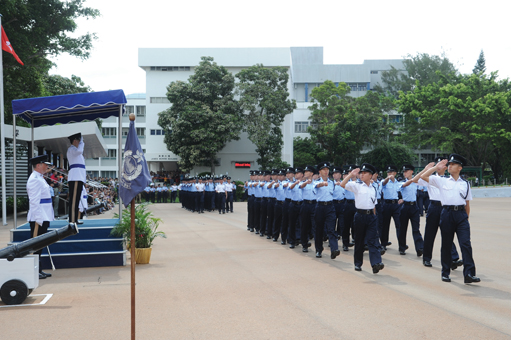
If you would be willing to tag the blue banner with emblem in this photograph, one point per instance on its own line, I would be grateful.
(135, 172)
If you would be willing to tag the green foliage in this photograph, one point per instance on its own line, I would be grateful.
(22, 204)
(343, 125)
(203, 117)
(146, 226)
(306, 152)
(37, 30)
(480, 66)
(239, 190)
(421, 68)
(389, 153)
(264, 98)
(467, 114)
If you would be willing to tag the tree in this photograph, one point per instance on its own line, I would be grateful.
(203, 117)
(466, 114)
(306, 152)
(264, 99)
(37, 30)
(480, 66)
(421, 68)
(389, 153)
(344, 125)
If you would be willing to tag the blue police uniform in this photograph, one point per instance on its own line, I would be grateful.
(280, 197)
(294, 212)
(410, 212)
(307, 209)
(391, 207)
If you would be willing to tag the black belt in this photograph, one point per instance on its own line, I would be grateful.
(272, 198)
(432, 202)
(391, 201)
(280, 202)
(310, 201)
(350, 201)
(288, 200)
(365, 212)
(410, 203)
(325, 203)
(297, 202)
(338, 201)
(455, 207)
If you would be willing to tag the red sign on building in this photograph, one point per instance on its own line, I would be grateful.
(242, 164)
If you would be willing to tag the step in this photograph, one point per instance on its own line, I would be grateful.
(84, 259)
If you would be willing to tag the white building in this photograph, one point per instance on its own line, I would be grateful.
(165, 65)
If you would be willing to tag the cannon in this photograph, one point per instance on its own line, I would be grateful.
(19, 271)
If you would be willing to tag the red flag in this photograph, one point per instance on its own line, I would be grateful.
(6, 46)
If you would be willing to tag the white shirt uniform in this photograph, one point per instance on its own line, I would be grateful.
(434, 193)
(40, 204)
(365, 195)
(229, 187)
(452, 192)
(200, 187)
(83, 201)
(76, 163)
(220, 188)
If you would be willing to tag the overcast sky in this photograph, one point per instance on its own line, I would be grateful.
(349, 32)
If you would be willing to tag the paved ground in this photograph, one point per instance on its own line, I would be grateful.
(211, 279)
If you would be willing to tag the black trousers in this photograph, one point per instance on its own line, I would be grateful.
(410, 213)
(366, 227)
(325, 222)
(349, 215)
(277, 218)
(42, 229)
(307, 216)
(390, 210)
(294, 219)
(432, 225)
(75, 193)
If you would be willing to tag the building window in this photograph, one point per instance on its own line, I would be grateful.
(112, 153)
(109, 132)
(374, 72)
(140, 110)
(153, 132)
(159, 100)
(125, 131)
(157, 132)
(141, 132)
(129, 109)
(301, 127)
(108, 174)
(362, 87)
(170, 68)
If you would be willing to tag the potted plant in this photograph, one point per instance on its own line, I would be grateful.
(146, 226)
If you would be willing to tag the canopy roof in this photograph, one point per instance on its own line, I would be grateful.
(69, 108)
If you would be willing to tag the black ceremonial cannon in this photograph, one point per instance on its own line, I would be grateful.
(19, 271)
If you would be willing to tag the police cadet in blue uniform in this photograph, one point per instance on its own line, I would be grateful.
(308, 206)
(366, 229)
(391, 206)
(455, 196)
(270, 206)
(76, 176)
(409, 212)
(263, 217)
(339, 198)
(379, 205)
(280, 197)
(349, 215)
(250, 202)
(325, 212)
(284, 230)
(433, 221)
(295, 207)
(258, 197)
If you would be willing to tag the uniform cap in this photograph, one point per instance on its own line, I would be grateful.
(391, 167)
(408, 167)
(290, 170)
(282, 172)
(366, 167)
(77, 136)
(310, 168)
(323, 165)
(439, 158)
(40, 159)
(455, 158)
(275, 172)
(267, 172)
(353, 167)
(337, 169)
(297, 170)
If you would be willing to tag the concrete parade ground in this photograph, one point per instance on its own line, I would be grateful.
(212, 279)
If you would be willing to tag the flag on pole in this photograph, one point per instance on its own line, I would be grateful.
(6, 46)
(135, 173)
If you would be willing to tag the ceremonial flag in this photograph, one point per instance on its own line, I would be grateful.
(135, 173)
(6, 46)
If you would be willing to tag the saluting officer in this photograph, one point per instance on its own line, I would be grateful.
(325, 212)
(349, 213)
(76, 177)
(433, 220)
(40, 212)
(365, 221)
(391, 206)
(455, 196)
(409, 212)
(308, 206)
(339, 198)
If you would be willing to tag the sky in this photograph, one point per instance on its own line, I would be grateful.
(348, 31)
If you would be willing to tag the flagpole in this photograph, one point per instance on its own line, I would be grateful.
(133, 239)
(2, 133)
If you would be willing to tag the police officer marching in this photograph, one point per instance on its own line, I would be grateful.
(308, 207)
(365, 221)
(409, 212)
(455, 195)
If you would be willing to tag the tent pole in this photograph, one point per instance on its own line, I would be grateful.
(119, 158)
(14, 169)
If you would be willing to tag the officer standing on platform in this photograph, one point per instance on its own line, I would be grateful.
(40, 212)
(325, 212)
(433, 221)
(409, 212)
(456, 195)
(391, 206)
(365, 222)
(76, 177)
